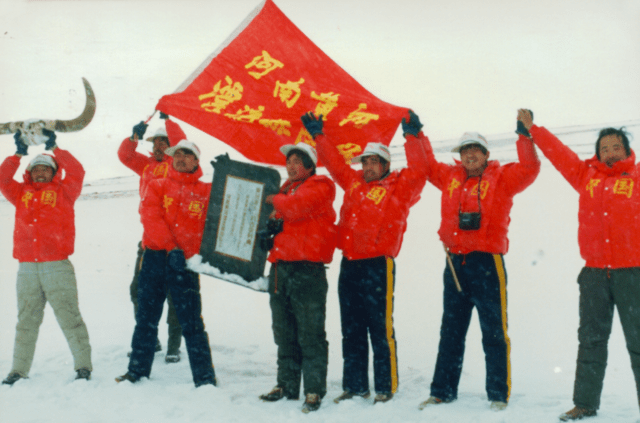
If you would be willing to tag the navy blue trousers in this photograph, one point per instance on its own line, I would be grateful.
(156, 278)
(365, 290)
(483, 279)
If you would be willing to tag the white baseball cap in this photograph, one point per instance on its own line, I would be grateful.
(160, 132)
(42, 159)
(183, 144)
(304, 147)
(374, 149)
(471, 138)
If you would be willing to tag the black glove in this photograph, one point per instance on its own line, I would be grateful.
(177, 261)
(521, 129)
(22, 147)
(413, 126)
(312, 124)
(139, 130)
(164, 115)
(266, 236)
(51, 142)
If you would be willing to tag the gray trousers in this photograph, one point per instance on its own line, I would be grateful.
(600, 291)
(54, 282)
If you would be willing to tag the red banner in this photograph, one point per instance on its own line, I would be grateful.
(253, 90)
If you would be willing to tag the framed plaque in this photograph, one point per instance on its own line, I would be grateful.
(236, 213)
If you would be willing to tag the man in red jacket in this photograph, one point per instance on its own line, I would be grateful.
(173, 212)
(149, 168)
(297, 278)
(609, 239)
(43, 240)
(373, 219)
(477, 195)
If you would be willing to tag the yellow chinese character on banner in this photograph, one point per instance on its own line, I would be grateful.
(278, 125)
(26, 197)
(376, 194)
(328, 102)
(591, 185)
(305, 136)
(222, 96)
(484, 187)
(265, 62)
(624, 186)
(196, 208)
(49, 198)
(167, 203)
(289, 93)
(452, 186)
(349, 151)
(359, 117)
(247, 114)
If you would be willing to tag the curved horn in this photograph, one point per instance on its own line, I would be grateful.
(85, 117)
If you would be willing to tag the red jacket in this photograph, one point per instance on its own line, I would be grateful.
(498, 187)
(609, 229)
(45, 219)
(147, 167)
(308, 232)
(373, 216)
(173, 212)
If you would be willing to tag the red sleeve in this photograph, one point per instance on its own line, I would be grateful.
(520, 175)
(8, 186)
(561, 157)
(157, 235)
(131, 158)
(438, 173)
(341, 172)
(306, 200)
(73, 173)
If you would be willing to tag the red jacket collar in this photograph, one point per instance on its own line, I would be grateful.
(618, 168)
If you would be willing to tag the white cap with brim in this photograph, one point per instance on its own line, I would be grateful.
(471, 138)
(42, 159)
(186, 145)
(373, 149)
(160, 133)
(304, 147)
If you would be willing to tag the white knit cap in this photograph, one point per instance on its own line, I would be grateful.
(183, 144)
(471, 138)
(304, 147)
(374, 149)
(43, 159)
(160, 132)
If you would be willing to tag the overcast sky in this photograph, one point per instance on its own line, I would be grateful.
(462, 65)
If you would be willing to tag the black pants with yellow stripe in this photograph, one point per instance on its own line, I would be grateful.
(365, 290)
(483, 280)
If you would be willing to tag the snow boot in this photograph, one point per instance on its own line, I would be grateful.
(172, 357)
(83, 374)
(383, 397)
(127, 376)
(276, 394)
(431, 401)
(577, 413)
(12, 378)
(311, 403)
(346, 395)
(498, 405)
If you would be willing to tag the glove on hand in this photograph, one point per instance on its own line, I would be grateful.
(312, 124)
(51, 142)
(21, 146)
(412, 127)
(177, 261)
(139, 130)
(521, 129)
(164, 115)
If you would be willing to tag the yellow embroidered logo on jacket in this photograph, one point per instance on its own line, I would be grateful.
(624, 186)
(196, 208)
(453, 185)
(484, 188)
(376, 194)
(591, 185)
(49, 198)
(26, 197)
(167, 202)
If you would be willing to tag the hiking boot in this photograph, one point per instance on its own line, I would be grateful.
(431, 401)
(382, 397)
(577, 413)
(83, 374)
(311, 403)
(347, 395)
(498, 405)
(277, 393)
(172, 357)
(127, 376)
(12, 378)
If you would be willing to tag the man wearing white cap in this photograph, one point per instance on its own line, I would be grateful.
(297, 278)
(477, 195)
(173, 212)
(43, 240)
(149, 168)
(373, 219)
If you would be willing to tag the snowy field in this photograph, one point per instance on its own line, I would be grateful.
(542, 265)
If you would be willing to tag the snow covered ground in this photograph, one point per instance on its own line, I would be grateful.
(542, 265)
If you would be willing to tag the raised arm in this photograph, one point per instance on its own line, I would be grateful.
(9, 187)
(74, 173)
